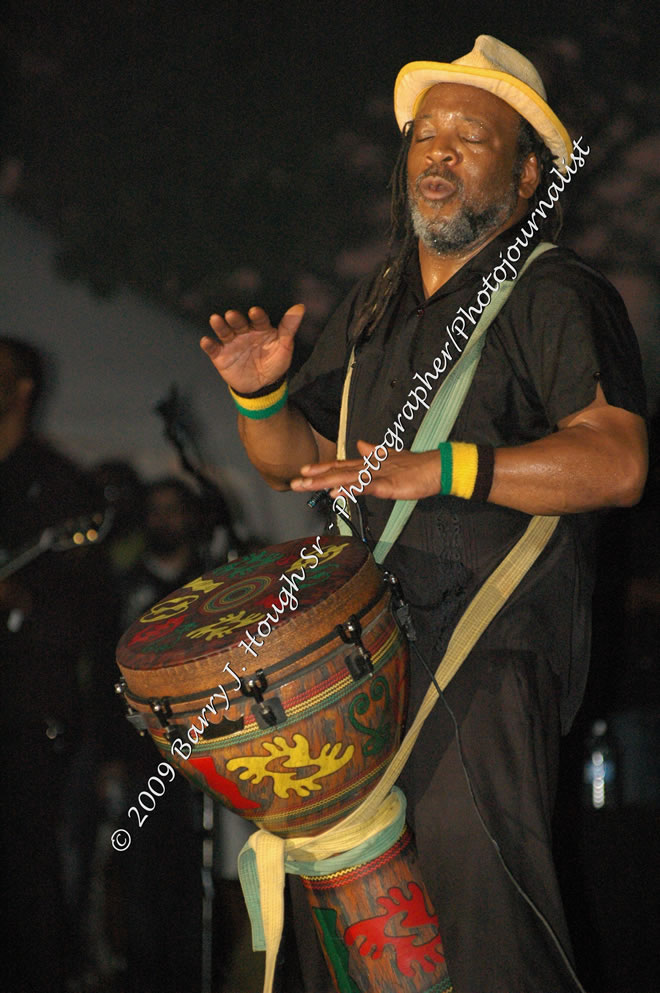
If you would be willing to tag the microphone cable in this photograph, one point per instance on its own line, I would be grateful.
(498, 851)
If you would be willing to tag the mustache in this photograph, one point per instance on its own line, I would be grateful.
(442, 172)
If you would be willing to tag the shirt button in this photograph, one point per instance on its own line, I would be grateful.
(393, 382)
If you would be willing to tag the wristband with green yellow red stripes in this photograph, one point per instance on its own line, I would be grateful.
(466, 470)
(264, 402)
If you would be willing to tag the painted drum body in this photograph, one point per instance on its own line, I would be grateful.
(377, 927)
(278, 683)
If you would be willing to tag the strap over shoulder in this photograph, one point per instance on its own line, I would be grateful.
(444, 408)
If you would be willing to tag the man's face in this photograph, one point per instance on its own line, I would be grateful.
(461, 187)
(169, 522)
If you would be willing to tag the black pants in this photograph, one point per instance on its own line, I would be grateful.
(506, 707)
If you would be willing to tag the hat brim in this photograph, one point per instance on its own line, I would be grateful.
(417, 77)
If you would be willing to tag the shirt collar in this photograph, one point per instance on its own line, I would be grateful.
(482, 264)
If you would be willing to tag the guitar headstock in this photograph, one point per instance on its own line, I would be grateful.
(75, 532)
(78, 531)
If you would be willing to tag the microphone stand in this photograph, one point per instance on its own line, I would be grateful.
(175, 431)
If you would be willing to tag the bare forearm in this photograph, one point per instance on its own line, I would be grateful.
(279, 445)
(598, 460)
(568, 472)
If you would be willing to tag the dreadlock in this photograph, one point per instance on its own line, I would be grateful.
(529, 143)
(402, 238)
(400, 245)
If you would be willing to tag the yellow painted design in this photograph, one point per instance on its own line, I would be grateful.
(327, 555)
(225, 625)
(203, 585)
(168, 608)
(294, 756)
(351, 792)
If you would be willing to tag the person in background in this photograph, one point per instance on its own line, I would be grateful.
(150, 921)
(123, 491)
(172, 553)
(53, 626)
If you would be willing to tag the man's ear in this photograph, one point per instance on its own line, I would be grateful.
(530, 177)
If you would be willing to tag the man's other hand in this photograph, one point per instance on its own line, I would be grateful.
(398, 476)
(248, 352)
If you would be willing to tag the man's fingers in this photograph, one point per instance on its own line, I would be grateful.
(291, 320)
(259, 319)
(317, 468)
(238, 323)
(234, 322)
(228, 326)
(326, 475)
(211, 346)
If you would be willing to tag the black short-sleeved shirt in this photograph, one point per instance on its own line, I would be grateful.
(563, 329)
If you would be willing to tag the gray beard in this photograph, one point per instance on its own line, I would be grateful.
(449, 236)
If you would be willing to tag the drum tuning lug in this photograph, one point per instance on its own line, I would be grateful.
(133, 717)
(136, 719)
(268, 713)
(173, 731)
(350, 632)
(359, 663)
(255, 686)
(162, 710)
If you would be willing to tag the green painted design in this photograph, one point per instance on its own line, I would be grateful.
(335, 949)
(380, 737)
(164, 644)
(445, 987)
(236, 594)
(245, 566)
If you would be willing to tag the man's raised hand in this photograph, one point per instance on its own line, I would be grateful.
(248, 352)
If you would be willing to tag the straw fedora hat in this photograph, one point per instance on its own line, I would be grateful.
(492, 66)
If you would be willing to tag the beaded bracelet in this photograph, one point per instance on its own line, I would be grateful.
(466, 470)
(264, 402)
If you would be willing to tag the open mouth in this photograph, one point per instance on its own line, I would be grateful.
(436, 188)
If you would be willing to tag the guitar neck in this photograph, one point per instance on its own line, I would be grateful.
(84, 531)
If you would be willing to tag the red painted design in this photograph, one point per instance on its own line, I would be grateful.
(154, 631)
(412, 914)
(269, 602)
(220, 784)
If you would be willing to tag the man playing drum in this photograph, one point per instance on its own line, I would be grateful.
(552, 424)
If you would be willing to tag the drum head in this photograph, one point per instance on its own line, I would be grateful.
(245, 614)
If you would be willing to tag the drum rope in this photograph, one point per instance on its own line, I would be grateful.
(265, 857)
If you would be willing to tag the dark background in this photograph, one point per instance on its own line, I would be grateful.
(206, 151)
(220, 154)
